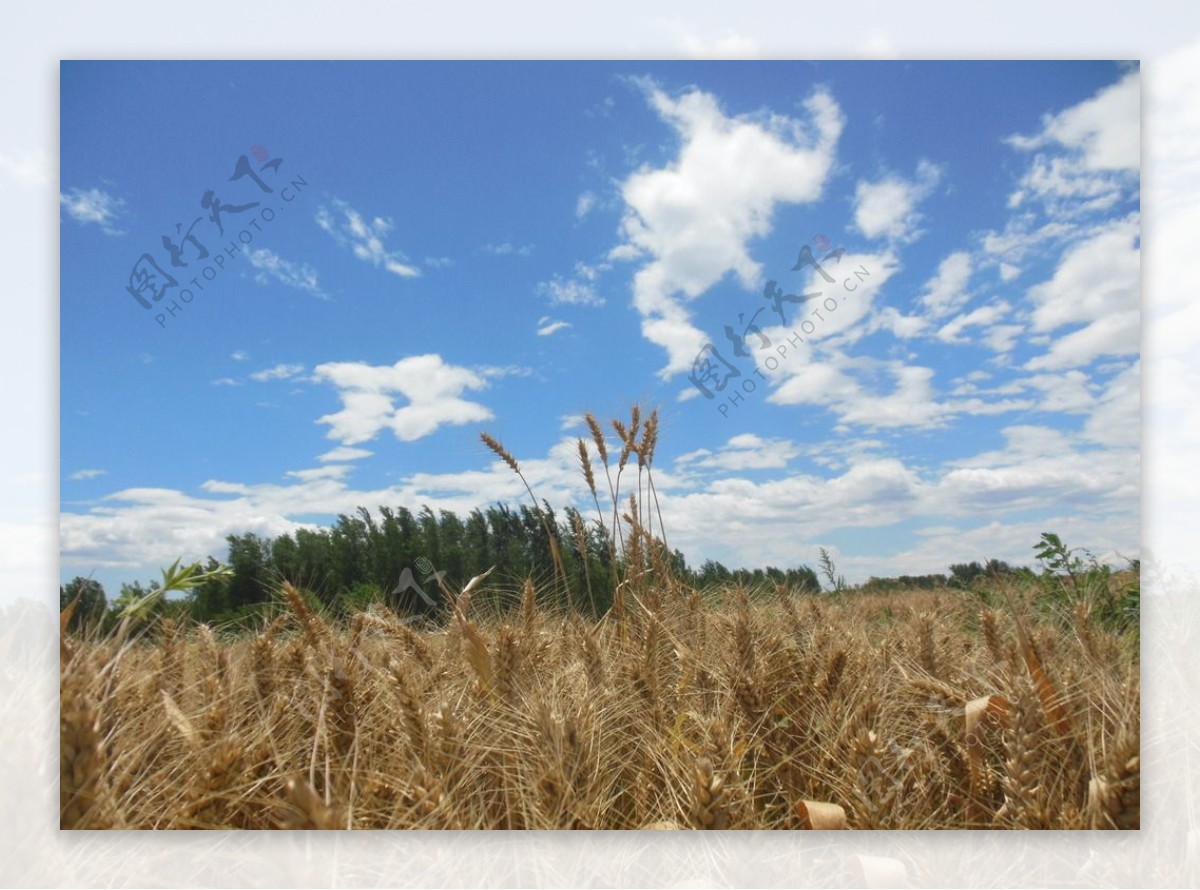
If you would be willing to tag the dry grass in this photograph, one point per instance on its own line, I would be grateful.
(785, 712)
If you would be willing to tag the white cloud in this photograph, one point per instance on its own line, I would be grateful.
(88, 206)
(279, 372)
(27, 168)
(946, 292)
(493, 372)
(438, 262)
(80, 475)
(878, 46)
(239, 356)
(1002, 337)
(433, 389)
(692, 220)
(887, 208)
(507, 248)
(570, 291)
(344, 453)
(952, 331)
(729, 45)
(742, 452)
(1117, 418)
(1095, 278)
(1104, 129)
(270, 265)
(364, 237)
(857, 391)
(1098, 284)
(315, 473)
(226, 381)
(888, 318)
(1068, 392)
(584, 205)
(1088, 155)
(1088, 494)
(547, 326)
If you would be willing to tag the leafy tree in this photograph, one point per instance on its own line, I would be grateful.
(249, 561)
(91, 605)
(964, 573)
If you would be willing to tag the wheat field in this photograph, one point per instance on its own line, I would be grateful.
(996, 707)
(909, 711)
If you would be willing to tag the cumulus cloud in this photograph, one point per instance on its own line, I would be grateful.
(946, 292)
(887, 208)
(691, 221)
(433, 390)
(742, 452)
(364, 237)
(1085, 156)
(1086, 491)
(1097, 284)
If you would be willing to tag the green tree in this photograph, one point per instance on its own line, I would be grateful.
(91, 605)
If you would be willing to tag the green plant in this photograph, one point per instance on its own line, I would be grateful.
(837, 583)
(1070, 579)
(135, 608)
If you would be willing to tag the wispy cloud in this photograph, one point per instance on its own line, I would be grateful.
(239, 356)
(548, 326)
(80, 475)
(301, 276)
(571, 291)
(507, 248)
(364, 237)
(345, 453)
(279, 372)
(93, 206)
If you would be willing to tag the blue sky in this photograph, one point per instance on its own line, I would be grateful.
(503, 246)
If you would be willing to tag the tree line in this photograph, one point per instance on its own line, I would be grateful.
(403, 559)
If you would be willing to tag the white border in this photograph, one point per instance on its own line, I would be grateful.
(33, 853)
